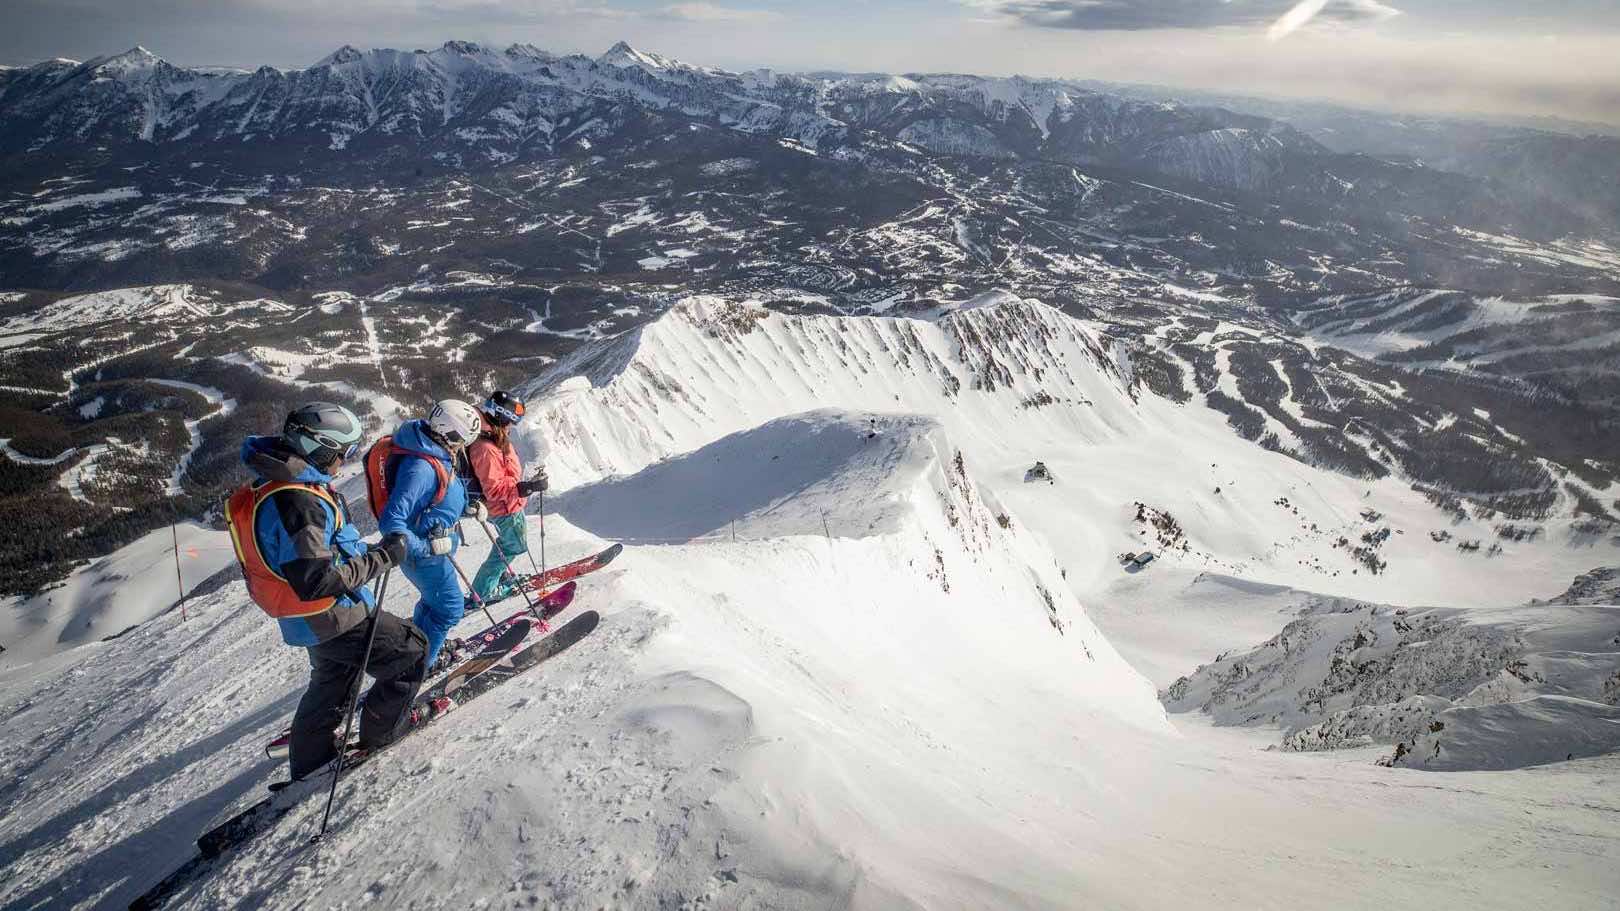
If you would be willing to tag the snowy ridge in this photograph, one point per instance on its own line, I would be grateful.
(895, 483)
(711, 367)
(1013, 381)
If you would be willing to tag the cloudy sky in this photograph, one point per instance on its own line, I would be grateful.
(1548, 57)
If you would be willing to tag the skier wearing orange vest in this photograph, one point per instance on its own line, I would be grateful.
(307, 567)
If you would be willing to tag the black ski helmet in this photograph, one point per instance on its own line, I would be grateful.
(503, 408)
(323, 432)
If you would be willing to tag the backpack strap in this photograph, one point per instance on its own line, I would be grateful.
(380, 460)
(265, 584)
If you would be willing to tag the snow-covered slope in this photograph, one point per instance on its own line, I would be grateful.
(1011, 374)
(761, 709)
(1497, 688)
(112, 594)
(787, 722)
(848, 659)
(1238, 532)
(1014, 381)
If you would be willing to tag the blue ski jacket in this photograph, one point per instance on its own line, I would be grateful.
(310, 544)
(412, 484)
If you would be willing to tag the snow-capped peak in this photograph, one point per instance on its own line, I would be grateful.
(623, 55)
(529, 51)
(135, 59)
(348, 53)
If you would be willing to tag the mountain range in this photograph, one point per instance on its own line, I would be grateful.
(470, 105)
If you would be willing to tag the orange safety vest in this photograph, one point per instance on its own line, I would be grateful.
(268, 588)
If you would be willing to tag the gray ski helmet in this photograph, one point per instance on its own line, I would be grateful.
(323, 432)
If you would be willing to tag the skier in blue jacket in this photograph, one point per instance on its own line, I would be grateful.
(425, 500)
(306, 566)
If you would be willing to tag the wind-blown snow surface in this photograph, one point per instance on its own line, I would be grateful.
(791, 723)
(729, 728)
(845, 662)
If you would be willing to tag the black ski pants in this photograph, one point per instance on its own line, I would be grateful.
(397, 662)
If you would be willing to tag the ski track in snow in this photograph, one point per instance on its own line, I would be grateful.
(73, 480)
(223, 406)
(22, 459)
(373, 344)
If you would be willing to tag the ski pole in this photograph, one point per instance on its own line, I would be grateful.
(539, 568)
(354, 699)
(470, 590)
(495, 545)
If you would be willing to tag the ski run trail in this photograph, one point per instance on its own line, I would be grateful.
(848, 658)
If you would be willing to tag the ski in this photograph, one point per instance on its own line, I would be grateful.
(510, 636)
(549, 602)
(552, 604)
(566, 635)
(487, 657)
(244, 826)
(559, 574)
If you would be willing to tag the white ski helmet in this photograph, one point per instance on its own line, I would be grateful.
(455, 422)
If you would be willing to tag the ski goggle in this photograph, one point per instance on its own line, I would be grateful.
(349, 451)
(322, 441)
(504, 414)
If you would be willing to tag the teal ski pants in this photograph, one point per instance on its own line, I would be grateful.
(511, 539)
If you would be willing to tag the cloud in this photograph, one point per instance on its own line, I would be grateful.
(711, 12)
(1140, 15)
(1306, 10)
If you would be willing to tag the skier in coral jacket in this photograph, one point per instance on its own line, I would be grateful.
(499, 475)
(307, 567)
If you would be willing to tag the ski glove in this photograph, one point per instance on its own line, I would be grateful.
(476, 510)
(392, 548)
(537, 484)
(439, 543)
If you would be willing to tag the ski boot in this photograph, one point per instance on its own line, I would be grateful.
(431, 709)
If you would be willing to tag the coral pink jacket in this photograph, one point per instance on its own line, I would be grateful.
(499, 471)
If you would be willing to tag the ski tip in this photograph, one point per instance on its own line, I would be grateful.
(560, 597)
